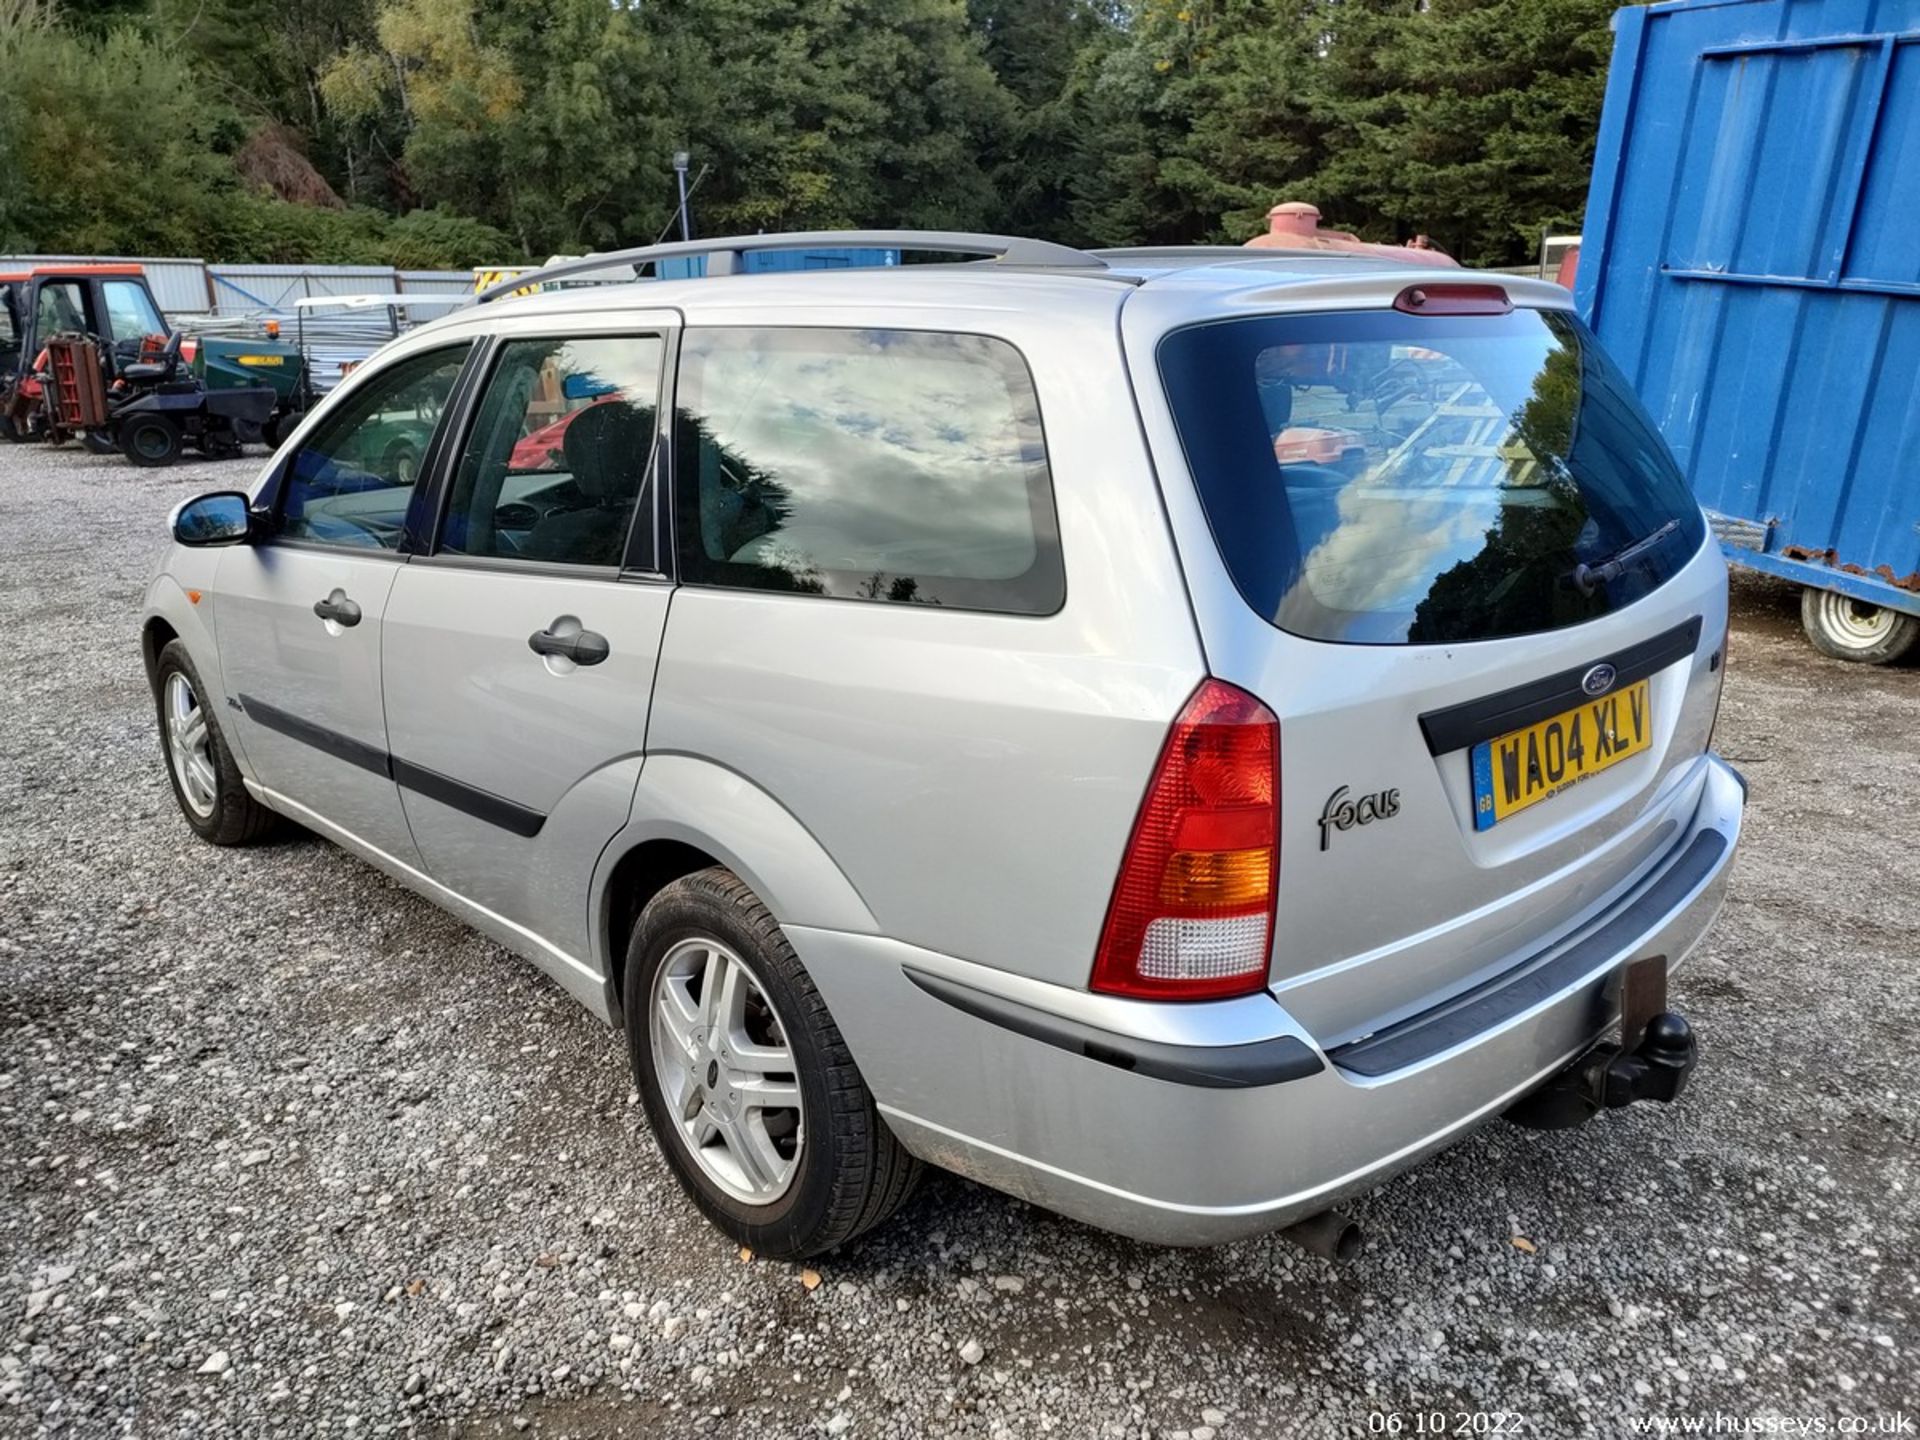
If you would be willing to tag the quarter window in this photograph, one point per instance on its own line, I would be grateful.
(891, 465)
(352, 481)
(560, 453)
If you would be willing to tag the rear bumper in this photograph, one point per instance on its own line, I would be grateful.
(1194, 1124)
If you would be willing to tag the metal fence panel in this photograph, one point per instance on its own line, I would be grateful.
(272, 289)
(179, 285)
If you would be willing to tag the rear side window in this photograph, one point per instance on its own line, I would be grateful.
(891, 465)
(1388, 479)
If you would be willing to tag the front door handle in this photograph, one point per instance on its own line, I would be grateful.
(337, 608)
(582, 647)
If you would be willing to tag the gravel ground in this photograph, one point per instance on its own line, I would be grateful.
(286, 1151)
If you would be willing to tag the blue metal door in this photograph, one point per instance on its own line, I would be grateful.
(1752, 257)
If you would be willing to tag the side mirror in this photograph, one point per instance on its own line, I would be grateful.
(222, 518)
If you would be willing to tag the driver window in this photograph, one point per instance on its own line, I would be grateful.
(560, 452)
(350, 484)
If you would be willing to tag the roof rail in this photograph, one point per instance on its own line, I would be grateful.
(724, 254)
(1220, 254)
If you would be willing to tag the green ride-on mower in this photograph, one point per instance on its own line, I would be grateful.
(85, 353)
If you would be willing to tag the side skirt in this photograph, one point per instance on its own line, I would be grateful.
(578, 979)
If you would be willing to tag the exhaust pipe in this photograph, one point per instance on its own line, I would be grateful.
(1330, 1235)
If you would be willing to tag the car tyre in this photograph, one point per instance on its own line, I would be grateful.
(1848, 629)
(401, 462)
(150, 441)
(832, 1168)
(206, 781)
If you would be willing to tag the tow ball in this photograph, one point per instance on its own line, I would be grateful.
(1655, 1054)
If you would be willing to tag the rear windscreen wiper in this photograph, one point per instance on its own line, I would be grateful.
(1589, 578)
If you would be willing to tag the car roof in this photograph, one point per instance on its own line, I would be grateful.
(1191, 281)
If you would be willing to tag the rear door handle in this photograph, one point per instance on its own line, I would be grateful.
(337, 608)
(583, 647)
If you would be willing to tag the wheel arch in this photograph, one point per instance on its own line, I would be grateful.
(690, 813)
(156, 633)
(171, 612)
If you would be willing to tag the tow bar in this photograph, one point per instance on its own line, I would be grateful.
(1654, 1055)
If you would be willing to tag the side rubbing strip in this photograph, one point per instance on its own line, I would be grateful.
(342, 747)
(481, 804)
(514, 818)
(1213, 1067)
(1459, 726)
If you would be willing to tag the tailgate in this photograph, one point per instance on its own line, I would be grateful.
(1457, 562)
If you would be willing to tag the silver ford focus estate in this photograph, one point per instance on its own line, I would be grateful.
(1177, 736)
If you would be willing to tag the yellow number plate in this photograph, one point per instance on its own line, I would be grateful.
(1524, 767)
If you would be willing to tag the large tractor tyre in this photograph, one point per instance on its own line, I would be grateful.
(1849, 629)
(150, 441)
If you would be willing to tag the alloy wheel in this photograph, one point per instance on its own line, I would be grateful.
(726, 1070)
(190, 745)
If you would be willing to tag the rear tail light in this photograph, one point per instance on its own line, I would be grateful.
(189, 349)
(1192, 911)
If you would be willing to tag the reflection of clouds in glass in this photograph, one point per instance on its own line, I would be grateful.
(1439, 440)
(904, 454)
(629, 365)
(1386, 549)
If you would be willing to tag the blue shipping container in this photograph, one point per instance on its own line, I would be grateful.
(1751, 257)
(756, 262)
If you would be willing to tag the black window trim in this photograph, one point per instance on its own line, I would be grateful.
(271, 501)
(671, 511)
(470, 398)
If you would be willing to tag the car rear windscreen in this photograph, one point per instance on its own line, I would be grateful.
(1382, 478)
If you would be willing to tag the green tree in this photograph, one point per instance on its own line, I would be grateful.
(537, 121)
(429, 76)
(264, 58)
(821, 113)
(1471, 120)
(591, 149)
(1196, 120)
(86, 170)
(1034, 48)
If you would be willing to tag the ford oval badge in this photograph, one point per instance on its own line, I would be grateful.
(1598, 680)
